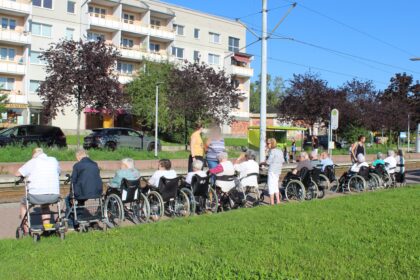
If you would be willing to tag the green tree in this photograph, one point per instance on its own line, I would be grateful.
(275, 93)
(3, 101)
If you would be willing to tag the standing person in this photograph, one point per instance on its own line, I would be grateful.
(293, 150)
(196, 146)
(214, 146)
(315, 143)
(286, 154)
(358, 148)
(275, 162)
(400, 171)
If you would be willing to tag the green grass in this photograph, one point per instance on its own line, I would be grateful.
(236, 142)
(368, 236)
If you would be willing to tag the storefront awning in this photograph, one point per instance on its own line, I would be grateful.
(90, 110)
(16, 105)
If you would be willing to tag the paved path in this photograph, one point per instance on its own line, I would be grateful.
(9, 211)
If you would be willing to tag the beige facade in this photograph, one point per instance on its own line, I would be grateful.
(141, 29)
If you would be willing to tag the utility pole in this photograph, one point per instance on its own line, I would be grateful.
(408, 134)
(263, 101)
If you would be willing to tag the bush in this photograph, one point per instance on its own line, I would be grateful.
(353, 132)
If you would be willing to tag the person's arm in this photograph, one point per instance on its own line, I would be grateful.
(217, 169)
(188, 179)
(116, 180)
(75, 178)
(25, 170)
(153, 179)
(192, 144)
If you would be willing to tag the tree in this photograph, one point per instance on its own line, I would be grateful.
(80, 74)
(198, 92)
(275, 92)
(3, 101)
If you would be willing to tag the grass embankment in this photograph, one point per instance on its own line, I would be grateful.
(368, 236)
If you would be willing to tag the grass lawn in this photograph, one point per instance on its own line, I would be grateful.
(368, 236)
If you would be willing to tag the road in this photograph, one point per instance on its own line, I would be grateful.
(9, 211)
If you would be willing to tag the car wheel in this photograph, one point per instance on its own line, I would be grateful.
(111, 146)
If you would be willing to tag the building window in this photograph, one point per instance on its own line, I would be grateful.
(127, 43)
(92, 36)
(97, 11)
(178, 52)
(69, 33)
(196, 33)
(7, 54)
(33, 86)
(179, 29)
(8, 23)
(125, 68)
(41, 29)
(42, 3)
(197, 56)
(214, 38)
(214, 59)
(35, 59)
(7, 83)
(155, 23)
(71, 7)
(233, 44)
(154, 47)
(128, 18)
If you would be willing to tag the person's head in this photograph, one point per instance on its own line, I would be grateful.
(271, 143)
(36, 152)
(223, 156)
(379, 155)
(80, 154)
(250, 155)
(314, 155)
(127, 163)
(303, 156)
(197, 165)
(324, 155)
(400, 153)
(199, 127)
(361, 158)
(215, 132)
(391, 153)
(165, 164)
(361, 139)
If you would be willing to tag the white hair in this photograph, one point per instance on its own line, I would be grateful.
(391, 153)
(361, 158)
(129, 162)
(81, 153)
(197, 164)
(304, 155)
(314, 154)
(36, 152)
(221, 156)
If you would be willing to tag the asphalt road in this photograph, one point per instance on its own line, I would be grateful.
(9, 211)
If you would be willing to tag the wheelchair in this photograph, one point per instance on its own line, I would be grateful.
(126, 201)
(36, 230)
(229, 197)
(202, 196)
(387, 179)
(253, 195)
(357, 182)
(329, 177)
(301, 187)
(85, 213)
(167, 198)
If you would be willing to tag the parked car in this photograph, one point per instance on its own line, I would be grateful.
(33, 134)
(323, 142)
(111, 138)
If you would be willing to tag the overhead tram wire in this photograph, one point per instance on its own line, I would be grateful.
(354, 29)
(259, 12)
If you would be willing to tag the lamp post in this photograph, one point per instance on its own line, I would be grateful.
(408, 134)
(157, 118)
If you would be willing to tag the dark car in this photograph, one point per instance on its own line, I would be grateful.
(33, 134)
(111, 138)
(322, 141)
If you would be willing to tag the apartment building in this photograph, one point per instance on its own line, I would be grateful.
(142, 30)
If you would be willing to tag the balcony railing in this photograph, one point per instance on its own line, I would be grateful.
(162, 32)
(242, 71)
(134, 53)
(134, 26)
(17, 36)
(16, 6)
(104, 20)
(12, 67)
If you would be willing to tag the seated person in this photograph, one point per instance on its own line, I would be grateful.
(326, 161)
(127, 171)
(316, 163)
(43, 174)
(390, 162)
(304, 162)
(361, 161)
(164, 170)
(197, 166)
(378, 160)
(224, 171)
(246, 165)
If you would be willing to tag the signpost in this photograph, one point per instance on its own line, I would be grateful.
(333, 126)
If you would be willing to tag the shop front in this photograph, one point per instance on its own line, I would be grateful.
(14, 114)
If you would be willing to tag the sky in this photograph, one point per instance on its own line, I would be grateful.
(370, 40)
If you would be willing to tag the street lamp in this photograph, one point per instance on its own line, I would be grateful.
(157, 118)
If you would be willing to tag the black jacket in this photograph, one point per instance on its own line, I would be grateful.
(86, 180)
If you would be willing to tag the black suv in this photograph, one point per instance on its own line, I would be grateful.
(111, 138)
(33, 134)
(322, 141)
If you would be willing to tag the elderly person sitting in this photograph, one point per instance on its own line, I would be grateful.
(304, 162)
(390, 162)
(326, 160)
(316, 163)
(224, 172)
(378, 160)
(248, 169)
(42, 173)
(164, 170)
(197, 167)
(361, 162)
(127, 171)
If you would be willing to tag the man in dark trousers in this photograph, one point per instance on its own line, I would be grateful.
(86, 180)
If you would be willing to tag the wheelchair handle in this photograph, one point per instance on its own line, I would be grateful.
(67, 181)
(19, 180)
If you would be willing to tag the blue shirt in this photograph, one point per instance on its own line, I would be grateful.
(129, 174)
(215, 147)
(326, 162)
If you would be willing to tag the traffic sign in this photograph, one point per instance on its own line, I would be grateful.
(334, 119)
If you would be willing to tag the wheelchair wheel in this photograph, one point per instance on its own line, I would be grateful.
(113, 210)
(356, 184)
(312, 191)
(192, 201)
(295, 190)
(140, 209)
(157, 208)
(211, 201)
(324, 182)
(374, 181)
(180, 205)
(252, 196)
(19, 233)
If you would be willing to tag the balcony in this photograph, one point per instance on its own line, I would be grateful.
(159, 56)
(133, 53)
(242, 71)
(19, 7)
(106, 21)
(162, 32)
(124, 78)
(134, 26)
(15, 36)
(11, 67)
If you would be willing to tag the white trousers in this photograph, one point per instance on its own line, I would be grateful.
(273, 183)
